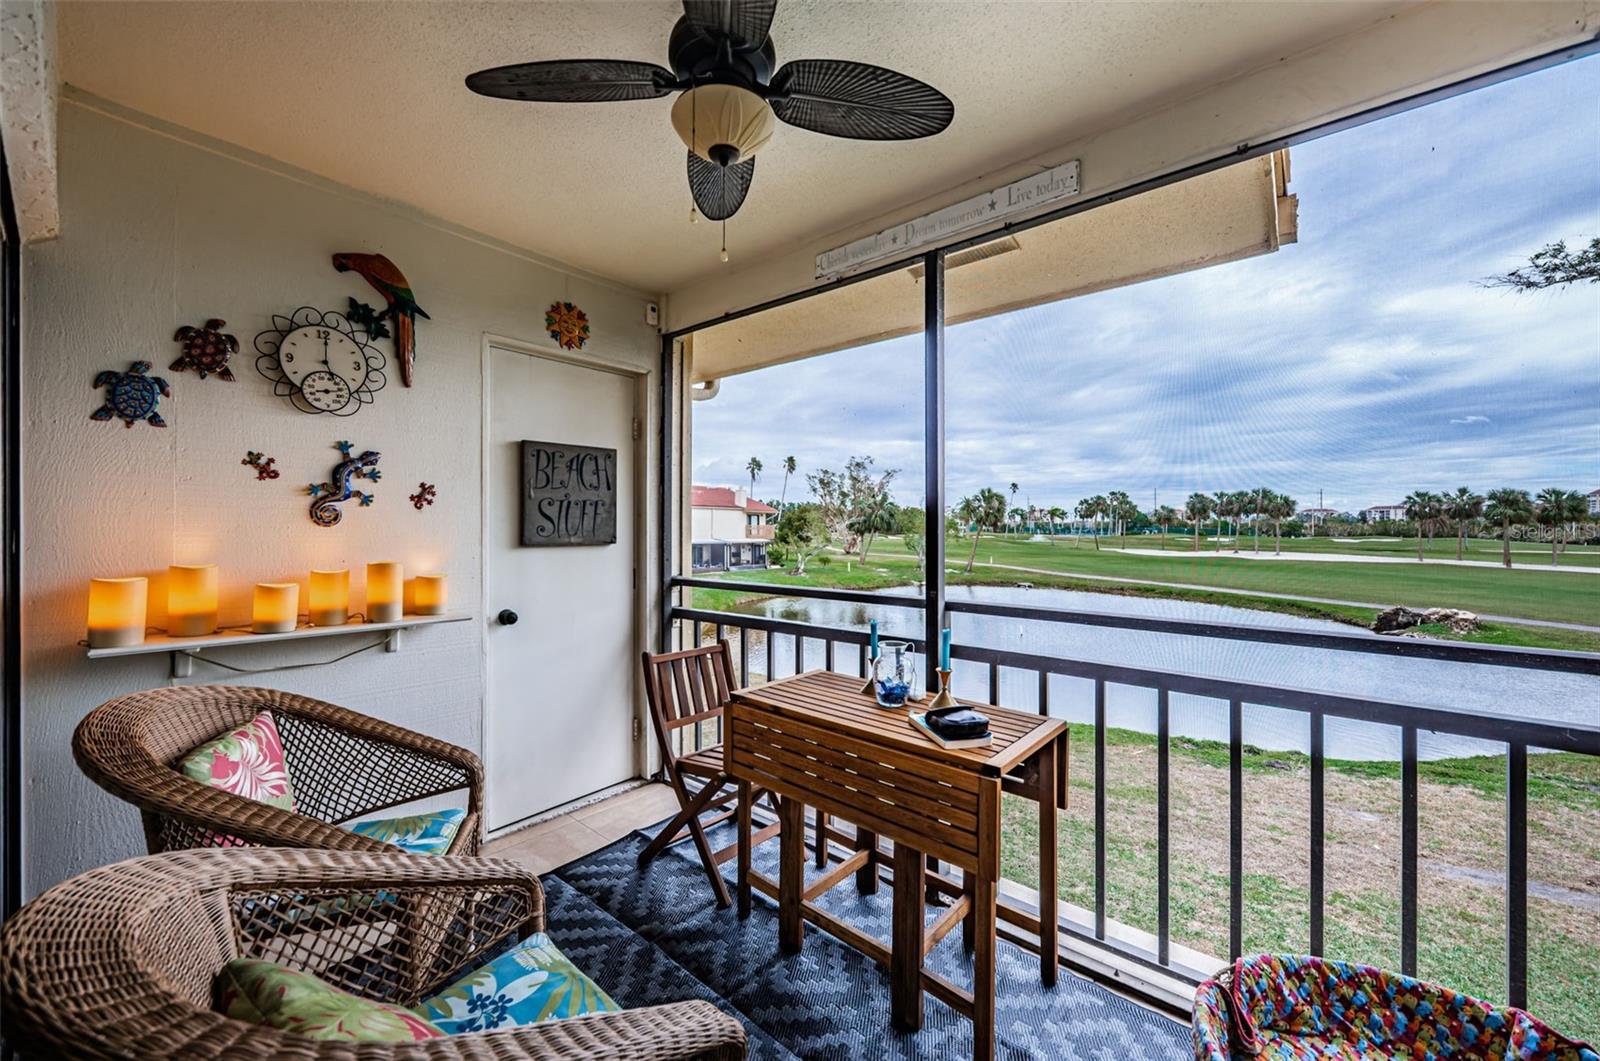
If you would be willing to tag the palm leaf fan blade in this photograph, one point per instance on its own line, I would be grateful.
(744, 22)
(858, 101)
(719, 191)
(573, 81)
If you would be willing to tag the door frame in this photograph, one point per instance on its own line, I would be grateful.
(638, 632)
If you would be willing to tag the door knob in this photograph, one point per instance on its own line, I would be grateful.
(507, 617)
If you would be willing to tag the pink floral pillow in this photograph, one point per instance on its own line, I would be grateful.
(248, 762)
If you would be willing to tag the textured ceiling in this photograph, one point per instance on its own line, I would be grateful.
(370, 95)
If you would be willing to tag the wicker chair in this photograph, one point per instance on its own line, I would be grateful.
(120, 961)
(344, 766)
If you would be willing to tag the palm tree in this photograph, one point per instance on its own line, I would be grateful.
(1199, 508)
(879, 519)
(754, 468)
(1507, 506)
(1463, 506)
(1122, 510)
(789, 466)
(1558, 507)
(1013, 495)
(1058, 516)
(1232, 504)
(986, 508)
(1279, 507)
(1577, 511)
(1165, 516)
(1419, 509)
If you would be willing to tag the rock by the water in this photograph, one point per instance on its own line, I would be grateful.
(1397, 620)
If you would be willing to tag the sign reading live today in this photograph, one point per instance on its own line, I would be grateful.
(569, 494)
(1059, 182)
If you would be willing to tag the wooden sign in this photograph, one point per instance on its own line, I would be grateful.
(569, 494)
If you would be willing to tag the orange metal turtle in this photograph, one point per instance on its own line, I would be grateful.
(206, 349)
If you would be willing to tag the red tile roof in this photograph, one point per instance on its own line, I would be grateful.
(724, 497)
(758, 507)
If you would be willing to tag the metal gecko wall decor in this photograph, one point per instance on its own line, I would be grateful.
(262, 464)
(425, 494)
(131, 395)
(328, 496)
(206, 349)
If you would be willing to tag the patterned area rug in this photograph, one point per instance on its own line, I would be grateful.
(656, 936)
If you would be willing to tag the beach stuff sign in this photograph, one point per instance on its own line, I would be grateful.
(569, 494)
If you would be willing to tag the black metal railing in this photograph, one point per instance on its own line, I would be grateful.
(1515, 733)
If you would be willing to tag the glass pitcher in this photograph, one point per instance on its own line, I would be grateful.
(896, 674)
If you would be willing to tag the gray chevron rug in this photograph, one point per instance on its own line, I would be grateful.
(655, 935)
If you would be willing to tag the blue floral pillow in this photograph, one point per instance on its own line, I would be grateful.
(531, 982)
(418, 834)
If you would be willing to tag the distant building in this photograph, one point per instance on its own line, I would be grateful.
(729, 529)
(1318, 515)
(1382, 512)
(1594, 502)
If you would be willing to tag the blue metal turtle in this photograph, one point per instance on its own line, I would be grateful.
(132, 395)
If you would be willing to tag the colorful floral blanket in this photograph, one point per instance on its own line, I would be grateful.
(1295, 1008)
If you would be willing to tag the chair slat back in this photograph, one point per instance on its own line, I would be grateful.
(687, 688)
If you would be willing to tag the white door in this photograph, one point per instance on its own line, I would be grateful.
(559, 721)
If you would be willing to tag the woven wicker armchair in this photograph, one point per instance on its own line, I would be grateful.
(120, 961)
(344, 766)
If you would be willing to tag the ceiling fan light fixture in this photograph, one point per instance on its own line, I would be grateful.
(724, 124)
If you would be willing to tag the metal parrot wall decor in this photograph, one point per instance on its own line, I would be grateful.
(402, 309)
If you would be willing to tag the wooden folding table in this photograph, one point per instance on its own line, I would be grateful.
(815, 739)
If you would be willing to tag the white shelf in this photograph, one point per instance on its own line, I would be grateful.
(182, 649)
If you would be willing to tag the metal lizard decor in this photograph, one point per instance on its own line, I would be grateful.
(262, 464)
(326, 497)
(424, 495)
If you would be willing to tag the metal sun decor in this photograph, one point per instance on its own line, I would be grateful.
(131, 395)
(320, 362)
(425, 494)
(328, 496)
(387, 279)
(262, 464)
(568, 325)
(206, 349)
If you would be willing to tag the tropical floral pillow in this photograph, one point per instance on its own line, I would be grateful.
(529, 983)
(262, 992)
(418, 834)
(248, 762)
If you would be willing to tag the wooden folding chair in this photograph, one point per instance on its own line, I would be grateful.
(690, 689)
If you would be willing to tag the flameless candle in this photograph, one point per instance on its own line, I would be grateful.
(385, 592)
(191, 600)
(944, 649)
(330, 598)
(116, 611)
(429, 593)
(872, 628)
(276, 608)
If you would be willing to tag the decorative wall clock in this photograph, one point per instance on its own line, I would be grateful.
(320, 362)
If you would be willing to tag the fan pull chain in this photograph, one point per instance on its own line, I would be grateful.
(694, 138)
(724, 239)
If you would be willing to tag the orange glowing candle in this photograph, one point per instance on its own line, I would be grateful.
(330, 598)
(429, 593)
(191, 600)
(385, 592)
(117, 611)
(276, 607)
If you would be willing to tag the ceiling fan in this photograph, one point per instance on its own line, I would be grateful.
(724, 65)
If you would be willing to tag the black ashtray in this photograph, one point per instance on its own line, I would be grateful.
(957, 723)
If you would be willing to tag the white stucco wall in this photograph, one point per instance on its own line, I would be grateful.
(159, 229)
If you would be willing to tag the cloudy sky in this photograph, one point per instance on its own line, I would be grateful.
(1365, 361)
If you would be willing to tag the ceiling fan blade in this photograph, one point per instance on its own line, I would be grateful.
(745, 22)
(574, 81)
(858, 101)
(719, 191)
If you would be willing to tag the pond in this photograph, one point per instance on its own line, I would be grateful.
(1509, 691)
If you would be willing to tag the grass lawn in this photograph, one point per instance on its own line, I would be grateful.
(890, 566)
(1441, 548)
(1461, 935)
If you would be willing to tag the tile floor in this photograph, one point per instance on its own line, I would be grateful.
(560, 840)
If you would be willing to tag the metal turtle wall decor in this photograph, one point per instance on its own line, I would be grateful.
(206, 349)
(131, 395)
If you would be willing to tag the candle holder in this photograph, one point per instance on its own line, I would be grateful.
(870, 686)
(943, 698)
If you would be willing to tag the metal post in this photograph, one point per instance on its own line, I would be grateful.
(933, 443)
(668, 488)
